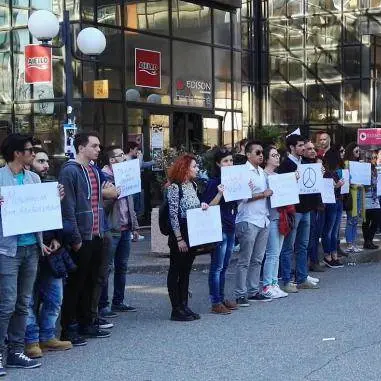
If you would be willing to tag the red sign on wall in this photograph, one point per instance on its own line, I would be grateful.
(38, 64)
(369, 136)
(147, 68)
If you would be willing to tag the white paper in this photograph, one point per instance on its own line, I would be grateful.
(345, 177)
(379, 184)
(360, 173)
(157, 139)
(235, 180)
(204, 226)
(127, 177)
(311, 178)
(30, 208)
(296, 132)
(328, 193)
(285, 190)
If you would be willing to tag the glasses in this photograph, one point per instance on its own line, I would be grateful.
(30, 150)
(275, 155)
(259, 152)
(119, 156)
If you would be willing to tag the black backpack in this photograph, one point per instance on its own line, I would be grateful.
(164, 223)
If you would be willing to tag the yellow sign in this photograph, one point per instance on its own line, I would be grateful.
(96, 89)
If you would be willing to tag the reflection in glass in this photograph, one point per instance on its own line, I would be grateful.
(210, 132)
(227, 128)
(221, 27)
(286, 105)
(19, 17)
(4, 17)
(107, 12)
(237, 72)
(323, 103)
(5, 68)
(222, 67)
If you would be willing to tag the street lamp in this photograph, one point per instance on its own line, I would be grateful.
(44, 26)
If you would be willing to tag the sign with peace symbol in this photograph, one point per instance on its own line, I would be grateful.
(309, 178)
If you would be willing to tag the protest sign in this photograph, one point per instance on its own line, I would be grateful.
(127, 177)
(295, 132)
(328, 193)
(30, 208)
(311, 178)
(204, 226)
(360, 173)
(235, 180)
(379, 185)
(345, 188)
(285, 190)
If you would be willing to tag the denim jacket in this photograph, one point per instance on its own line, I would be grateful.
(8, 245)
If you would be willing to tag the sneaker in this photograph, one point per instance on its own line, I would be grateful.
(258, 297)
(179, 314)
(350, 249)
(357, 249)
(312, 279)
(316, 268)
(270, 292)
(277, 290)
(55, 345)
(33, 351)
(370, 245)
(93, 332)
(307, 285)
(2, 370)
(220, 309)
(106, 313)
(20, 360)
(333, 264)
(188, 311)
(103, 323)
(290, 288)
(242, 302)
(236, 248)
(75, 339)
(231, 304)
(122, 308)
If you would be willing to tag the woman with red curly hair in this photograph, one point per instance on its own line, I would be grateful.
(181, 195)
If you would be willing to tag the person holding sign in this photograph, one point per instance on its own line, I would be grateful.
(19, 256)
(353, 202)
(181, 196)
(333, 211)
(252, 230)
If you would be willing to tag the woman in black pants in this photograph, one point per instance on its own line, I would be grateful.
(182, 195)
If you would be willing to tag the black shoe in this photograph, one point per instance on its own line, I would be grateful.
(20, 360)
(370, 245)
(103, 323)
(242, 301)
(107, 314)
(333, 263)
(74, 338)
(259, 298)
(122, 308)
(188, 311)
(93, 332)
(179, 314)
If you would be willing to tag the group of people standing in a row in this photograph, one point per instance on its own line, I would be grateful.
(279, 243)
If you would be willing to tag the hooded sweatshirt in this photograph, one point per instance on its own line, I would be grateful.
(77, 214)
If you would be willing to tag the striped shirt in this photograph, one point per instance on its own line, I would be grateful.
(94, 198)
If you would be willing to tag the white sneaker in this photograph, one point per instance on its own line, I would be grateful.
(357, 249)
(280, 293)
(349, 249)
(269, 293)
(312, 279)
(236, 248)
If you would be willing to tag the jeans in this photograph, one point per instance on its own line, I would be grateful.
(351, 229)
(274, 246)
(44, 308)
(17, 276)
(218, 265)
(371, 223)
(253, 241)
(121, 246)
(316, 231)
(333, 213)
(296, 240)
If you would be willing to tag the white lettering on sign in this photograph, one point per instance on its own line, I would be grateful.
(40, 63)
(199, 85)
(148, 68)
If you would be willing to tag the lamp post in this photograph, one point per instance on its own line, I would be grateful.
(44, 26)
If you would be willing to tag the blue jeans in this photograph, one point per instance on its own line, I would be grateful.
(296, 240)
(333, 213)
(48, 292)
(274, 246)
(218, 265)
(316, 230)
(122, 247)
(17, 275)
(351, 229)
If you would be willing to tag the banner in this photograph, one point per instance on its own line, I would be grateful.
(311, 178)
(147, 68)
(285, 190)
(30, 208)
(127, 177)
(235, 180)
(38, 64)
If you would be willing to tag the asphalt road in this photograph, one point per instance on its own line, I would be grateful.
(281, 340)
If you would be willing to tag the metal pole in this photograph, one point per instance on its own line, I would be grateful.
(68, 67)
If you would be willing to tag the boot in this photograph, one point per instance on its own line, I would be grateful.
(179, 314)
(55, 345)
(188, 311)
(33, 351)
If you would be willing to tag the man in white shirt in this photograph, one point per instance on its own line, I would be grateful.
(252, 230)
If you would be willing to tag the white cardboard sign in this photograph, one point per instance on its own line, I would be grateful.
(360, 173)
(345, 188)
(311, 178)
(328, 193)
(127, 177)
(235, 180)
(285, 190)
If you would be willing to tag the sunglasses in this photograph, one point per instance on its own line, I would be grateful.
(259, 152)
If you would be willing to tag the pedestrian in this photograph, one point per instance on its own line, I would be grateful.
(19, 255)
(324, 144)
(82, 214)
(252, 229)
(353, 202)
(46, 300)
(271, 287)
(220, 258)
(240, 157)
(181, 196)
(121, 218)
(297, 240)
(333, 211)
(372, 208)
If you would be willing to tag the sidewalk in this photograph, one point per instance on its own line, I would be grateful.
(142, 260)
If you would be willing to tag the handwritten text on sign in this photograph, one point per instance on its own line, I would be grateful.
(310, 178)
(235, 180)
(127, 177)
(36, 205)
